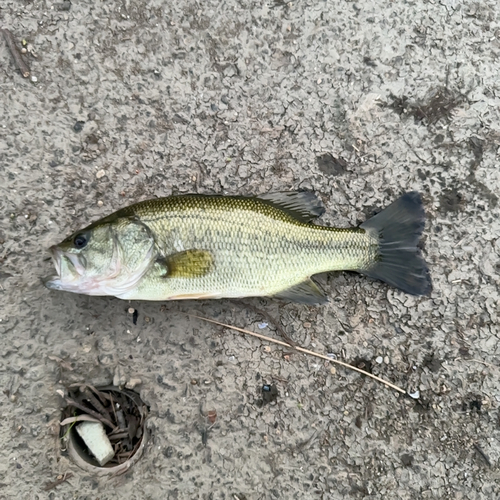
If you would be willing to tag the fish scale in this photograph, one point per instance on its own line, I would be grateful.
(258, 249)
(195, 246)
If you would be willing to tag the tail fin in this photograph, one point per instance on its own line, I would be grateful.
(398, 229)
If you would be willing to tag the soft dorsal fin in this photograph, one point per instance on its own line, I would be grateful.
(306, 292)
(187, 264)
(303, 206)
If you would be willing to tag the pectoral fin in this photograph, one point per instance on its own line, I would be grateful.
(306, 292)
(187, 264)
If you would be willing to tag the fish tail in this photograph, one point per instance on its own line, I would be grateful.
(398, 229)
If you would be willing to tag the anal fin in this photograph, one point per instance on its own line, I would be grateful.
(306, 292)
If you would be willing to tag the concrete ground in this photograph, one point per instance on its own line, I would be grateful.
(357, 101)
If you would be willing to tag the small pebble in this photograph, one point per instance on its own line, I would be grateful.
(333, 371)
(100, 203)
(307, 325)
(133, 382)
(100, 173)
(78, 126)
(131, 310)
(379, 359)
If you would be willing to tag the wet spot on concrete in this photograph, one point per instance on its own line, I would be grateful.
(484, 191)
(421, 174)
(330, 165)
(472, 403)
(438, 104)
(450, 201)
(269, 393)
(438, 139)
(363, 364)
(477, 147)
(431, 362)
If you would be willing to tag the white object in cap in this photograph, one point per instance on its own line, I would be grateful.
(97, 442)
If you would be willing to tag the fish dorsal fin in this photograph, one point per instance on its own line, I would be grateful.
(187, 264)
(303, 206)
(306, 292)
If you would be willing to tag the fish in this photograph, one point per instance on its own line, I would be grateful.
(212, 246)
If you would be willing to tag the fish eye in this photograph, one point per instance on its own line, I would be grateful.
(80, 241)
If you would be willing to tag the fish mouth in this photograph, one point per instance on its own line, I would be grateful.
(69, 268)
(52, 283)
(56, 259)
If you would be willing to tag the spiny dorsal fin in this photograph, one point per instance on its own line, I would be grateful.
(306, 292)
(304, 206)
(187, 264)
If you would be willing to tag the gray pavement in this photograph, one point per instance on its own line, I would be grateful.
(357, 101)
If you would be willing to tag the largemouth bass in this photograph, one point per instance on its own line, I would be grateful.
(209, 247)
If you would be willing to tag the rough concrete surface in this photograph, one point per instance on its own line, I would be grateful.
(357, 101)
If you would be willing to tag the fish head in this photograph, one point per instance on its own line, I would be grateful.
(106, 258)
